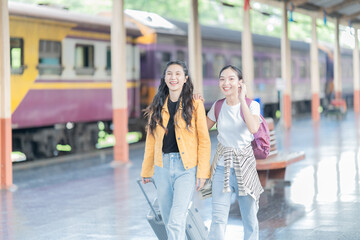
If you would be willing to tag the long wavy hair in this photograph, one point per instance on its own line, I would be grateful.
(153, 111)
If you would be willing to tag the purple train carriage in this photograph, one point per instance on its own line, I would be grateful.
(61, 72)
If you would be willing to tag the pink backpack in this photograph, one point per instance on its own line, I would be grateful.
(261, 142)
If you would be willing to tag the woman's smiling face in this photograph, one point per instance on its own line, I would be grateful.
(175, 78)
(229, 82)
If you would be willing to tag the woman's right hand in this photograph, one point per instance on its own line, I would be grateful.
(200, 182)
(197, 96)
(243, 90)
(145, 180)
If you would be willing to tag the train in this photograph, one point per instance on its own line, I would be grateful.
(61, 72)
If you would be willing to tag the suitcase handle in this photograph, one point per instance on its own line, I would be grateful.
(139, 181)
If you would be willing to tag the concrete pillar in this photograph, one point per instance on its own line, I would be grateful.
(356, 74)
(247, 53)
(119, 88)
(195, 51)
(286, 68)
(315, 75)
(6, 178)
(337, 62)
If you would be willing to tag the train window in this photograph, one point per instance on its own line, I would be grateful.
(17, 55)
(180, 55)
(277, 67)
(350, 69)
(84, 59)
(267, 67)
(49, 58)
(144, 64)
(204, 64)
(219, 63)
(293, 68)
(108, 61)
(257, 67)
(303, 67)
(143, 56)
(165, 58)
(236, 61)
(322, 69)
(130, 61)
(346, 67)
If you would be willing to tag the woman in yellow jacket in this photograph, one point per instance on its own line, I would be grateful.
(178, 148)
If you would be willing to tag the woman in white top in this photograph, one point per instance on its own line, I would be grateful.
(234, 159)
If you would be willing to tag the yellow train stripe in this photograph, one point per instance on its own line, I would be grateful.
(41, 21)
(92, 35)
(95, 35)
(78, 85)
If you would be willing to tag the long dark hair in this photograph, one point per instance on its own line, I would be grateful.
(153, 111)
(237, 70)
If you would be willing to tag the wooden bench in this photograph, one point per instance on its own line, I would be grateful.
(337, 108)
(272, 169)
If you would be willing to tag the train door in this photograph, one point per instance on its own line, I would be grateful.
(133, 80)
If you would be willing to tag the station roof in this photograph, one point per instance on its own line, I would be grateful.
(154, 21)
(347, 11)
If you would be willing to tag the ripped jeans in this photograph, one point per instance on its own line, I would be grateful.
(221, 206)
(175, 187)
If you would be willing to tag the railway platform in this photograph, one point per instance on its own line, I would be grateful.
(85, 197)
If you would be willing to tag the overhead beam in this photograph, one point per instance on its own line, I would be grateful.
(318, 14)
(339, 6)
(299, 2)
(352, 16)
(270, 2)
(278, 4)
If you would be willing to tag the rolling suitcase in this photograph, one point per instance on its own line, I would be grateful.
(154, 216)
(195, 228)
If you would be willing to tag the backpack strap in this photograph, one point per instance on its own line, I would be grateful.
(248, 102)
(218, 106)
(220, 102)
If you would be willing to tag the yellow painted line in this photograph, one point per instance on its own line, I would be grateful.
(78, 85)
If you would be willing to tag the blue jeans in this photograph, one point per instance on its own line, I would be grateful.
(175, 187)
(221, 205)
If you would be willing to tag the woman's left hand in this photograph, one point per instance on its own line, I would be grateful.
(200, 183)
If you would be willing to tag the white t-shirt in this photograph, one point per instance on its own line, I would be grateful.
(232, 130)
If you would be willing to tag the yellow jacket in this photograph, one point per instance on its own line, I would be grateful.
(193, 143)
